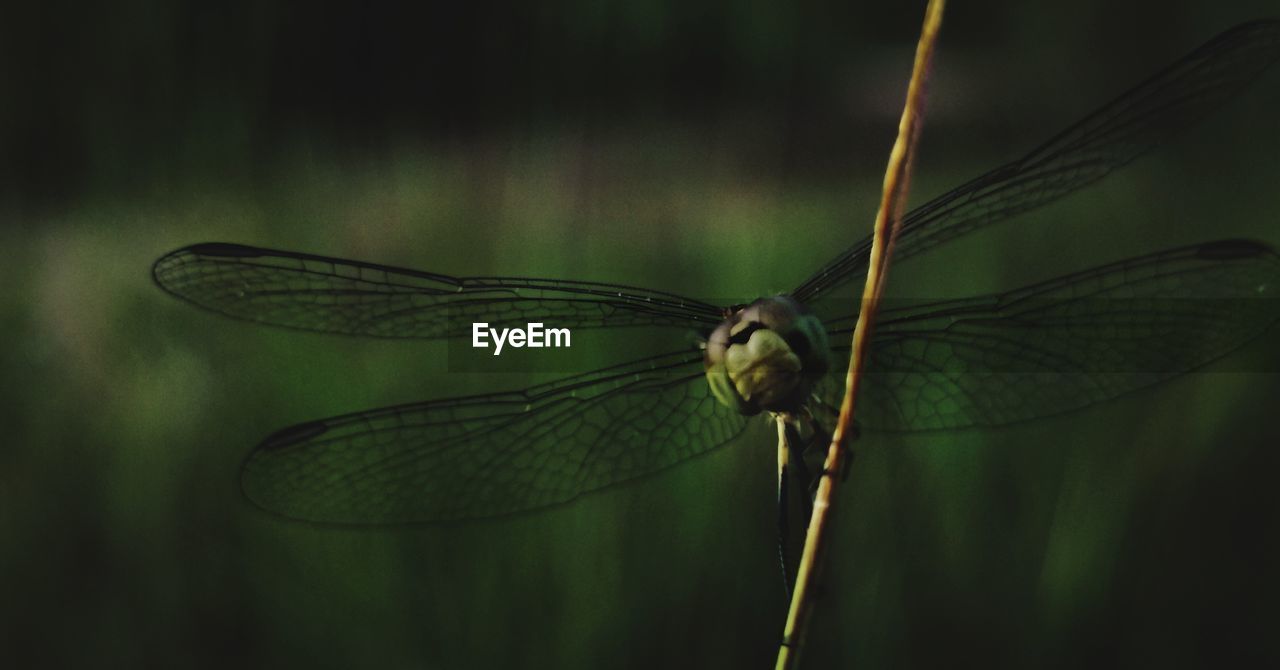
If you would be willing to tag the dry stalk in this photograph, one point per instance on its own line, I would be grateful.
(888, 219)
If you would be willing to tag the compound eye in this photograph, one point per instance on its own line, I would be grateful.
(742, 331)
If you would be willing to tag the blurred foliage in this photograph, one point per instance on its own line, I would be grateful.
(706, 148)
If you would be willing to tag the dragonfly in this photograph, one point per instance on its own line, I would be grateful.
(1039, 350)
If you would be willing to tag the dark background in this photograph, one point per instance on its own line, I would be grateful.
(713, 149)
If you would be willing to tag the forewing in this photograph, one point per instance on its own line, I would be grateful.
(495, 454)
(1063, 344)
(1118, 132)
(332, 295)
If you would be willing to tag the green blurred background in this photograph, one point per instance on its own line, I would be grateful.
(713, 149)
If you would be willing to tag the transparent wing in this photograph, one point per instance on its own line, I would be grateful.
(1063, 344)
(332, 295)
(493, 454)
(1120, 131)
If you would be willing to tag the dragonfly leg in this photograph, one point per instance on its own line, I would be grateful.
(821, 436)
(855, 431)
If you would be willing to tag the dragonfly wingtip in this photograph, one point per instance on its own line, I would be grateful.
(225, 249)
(287, 437)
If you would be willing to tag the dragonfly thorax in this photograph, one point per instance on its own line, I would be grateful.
(767, 356)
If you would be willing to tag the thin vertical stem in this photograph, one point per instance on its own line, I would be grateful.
(888, 220)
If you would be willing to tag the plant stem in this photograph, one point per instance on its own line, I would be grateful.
(888, 220)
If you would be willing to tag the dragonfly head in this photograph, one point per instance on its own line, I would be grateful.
(767, 356)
